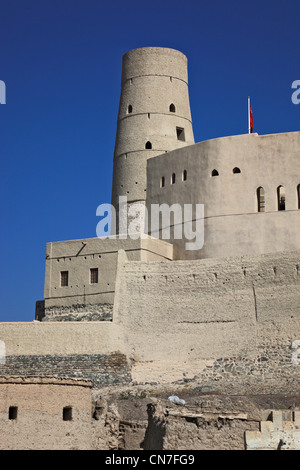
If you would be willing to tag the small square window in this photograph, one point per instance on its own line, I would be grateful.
(67, 413)
(94, 275)
(180, 134)
(13, 412)
(64, 278)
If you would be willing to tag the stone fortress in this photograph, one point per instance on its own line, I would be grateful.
(127, 321)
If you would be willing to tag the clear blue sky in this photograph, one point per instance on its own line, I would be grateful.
(61, 62)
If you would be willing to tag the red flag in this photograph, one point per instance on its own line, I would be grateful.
(250, 118)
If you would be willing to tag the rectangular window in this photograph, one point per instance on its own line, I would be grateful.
(13, 412)
(281, 198)
(64, 278)
(94, 275)
(67, 413)
(180, 134)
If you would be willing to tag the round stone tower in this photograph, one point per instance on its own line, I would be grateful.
(154, 117)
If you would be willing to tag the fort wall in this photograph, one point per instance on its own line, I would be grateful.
(85, 350)
(90, 267)
(60, 338)
(224, 175)
(228, 324)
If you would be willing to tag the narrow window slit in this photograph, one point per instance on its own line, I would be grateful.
(281, 198)
(13, 412)
(67, 413)
(260, 194)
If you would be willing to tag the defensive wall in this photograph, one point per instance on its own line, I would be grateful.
(87, 350)
(240, 181)
(228, 324)
(80, 275)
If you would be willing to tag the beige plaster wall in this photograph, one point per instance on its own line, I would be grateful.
(208, 309)
(79, 256)
(42, 338)
(232, 225)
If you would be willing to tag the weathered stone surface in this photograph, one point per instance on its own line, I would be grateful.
(98, 312)
(191, 428)
(100, 369)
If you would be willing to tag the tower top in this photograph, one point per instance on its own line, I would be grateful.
(155, 49)
(161, 61)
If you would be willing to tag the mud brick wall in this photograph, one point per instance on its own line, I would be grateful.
(230, 323)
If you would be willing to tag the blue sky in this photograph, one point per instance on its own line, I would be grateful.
(61, 63)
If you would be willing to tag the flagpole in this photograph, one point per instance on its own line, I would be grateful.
(249, 129)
